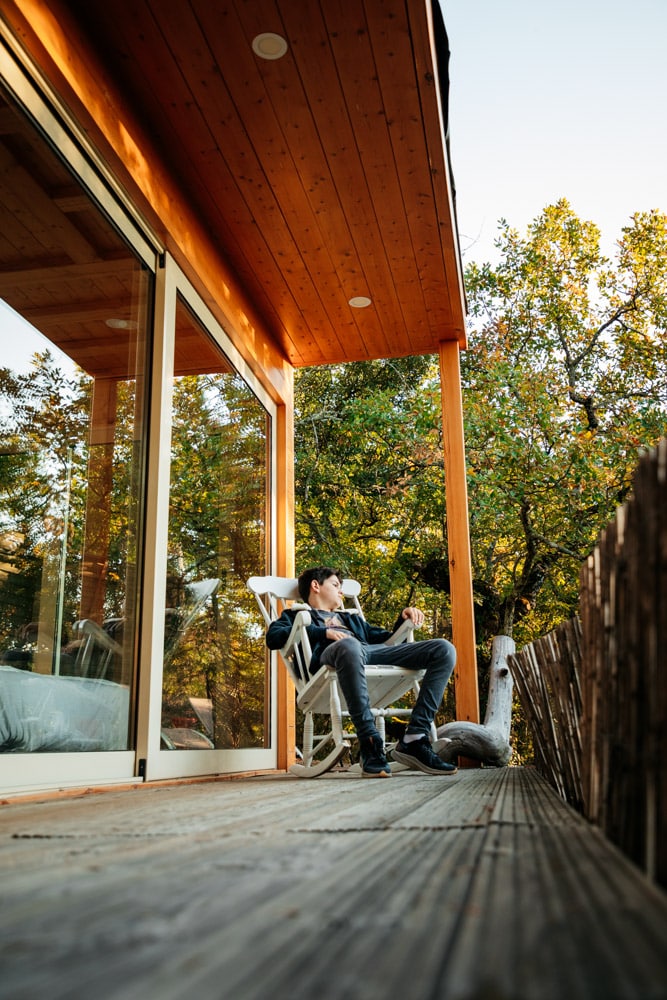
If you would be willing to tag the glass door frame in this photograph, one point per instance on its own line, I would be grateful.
(37, 771)
(153, 763)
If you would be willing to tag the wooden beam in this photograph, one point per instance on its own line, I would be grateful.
(27, 202)
(55, 274)
(458, 535)
(283, 494)
(51, 36)
(95, 558)
(66, 314)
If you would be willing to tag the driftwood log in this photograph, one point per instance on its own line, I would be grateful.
(489, 742)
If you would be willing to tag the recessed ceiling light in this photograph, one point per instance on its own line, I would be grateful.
(360, 302)
(121, 324)
(269, 46)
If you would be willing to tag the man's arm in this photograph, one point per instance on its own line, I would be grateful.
(409, 614)
(414, 615)
(278, 631)
(372, 634)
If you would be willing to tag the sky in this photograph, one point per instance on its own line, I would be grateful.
(555, 99)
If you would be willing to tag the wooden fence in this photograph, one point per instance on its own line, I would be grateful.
(547, 676)
(595, 689)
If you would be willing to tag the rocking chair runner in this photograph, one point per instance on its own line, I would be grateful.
(320, 694)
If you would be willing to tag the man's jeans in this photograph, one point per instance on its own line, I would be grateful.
(349, 656)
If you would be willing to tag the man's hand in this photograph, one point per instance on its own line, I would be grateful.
(335, 634)
(414, 614)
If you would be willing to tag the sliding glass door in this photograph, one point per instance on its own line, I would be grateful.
(75, 314)
(216, 691)
(136, 451)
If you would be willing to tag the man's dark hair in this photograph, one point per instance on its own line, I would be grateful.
(318, 573)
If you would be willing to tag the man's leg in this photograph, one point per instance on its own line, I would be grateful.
(437, 657)
(348, 658)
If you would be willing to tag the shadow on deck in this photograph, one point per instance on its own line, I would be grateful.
(483, 885)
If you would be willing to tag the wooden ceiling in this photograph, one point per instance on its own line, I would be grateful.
(62, 266)
(322, 175)
(67, 272)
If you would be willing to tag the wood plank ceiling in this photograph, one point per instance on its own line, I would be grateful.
(322, 175)
(65, 269)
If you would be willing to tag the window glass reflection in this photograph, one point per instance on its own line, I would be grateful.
(73, 320)
(215, 690)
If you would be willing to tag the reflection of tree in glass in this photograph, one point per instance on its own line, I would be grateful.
(43, 446)
(217, 529)
(48, 484)
(50, 477)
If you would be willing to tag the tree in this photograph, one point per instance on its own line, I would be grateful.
(217, 526)
(369, 476)
(564, 383)
(55, 481)
(42, 416)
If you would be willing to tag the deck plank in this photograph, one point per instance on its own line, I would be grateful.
(482, 885)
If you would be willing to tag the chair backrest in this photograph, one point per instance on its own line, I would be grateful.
(196, 596)
(96, 650)
(275, 593)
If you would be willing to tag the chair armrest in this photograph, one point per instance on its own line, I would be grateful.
(298, 634)
(296, 652)
(87, 627)
(404, 633)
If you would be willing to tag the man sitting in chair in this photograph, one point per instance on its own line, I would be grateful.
(347, 643)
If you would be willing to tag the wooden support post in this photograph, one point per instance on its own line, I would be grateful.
(458, 535)
(284, 498)
(98, 504)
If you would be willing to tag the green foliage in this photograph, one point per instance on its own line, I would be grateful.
(217, 529)
(564, 382)
(42, 464)
(369, 478)
(55, 483)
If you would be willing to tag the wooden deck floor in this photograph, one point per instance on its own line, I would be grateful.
(483, 885)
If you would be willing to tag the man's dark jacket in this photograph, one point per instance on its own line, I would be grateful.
(278, 631)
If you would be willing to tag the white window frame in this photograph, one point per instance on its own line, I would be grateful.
(38, 771)
(155, 763)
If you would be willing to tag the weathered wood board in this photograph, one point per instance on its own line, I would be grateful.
(481, 885)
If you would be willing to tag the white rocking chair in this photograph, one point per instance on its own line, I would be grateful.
(320, 694)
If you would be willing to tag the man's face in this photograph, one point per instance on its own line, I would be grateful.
(327, 595)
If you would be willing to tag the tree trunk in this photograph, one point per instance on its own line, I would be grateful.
(490, 741)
